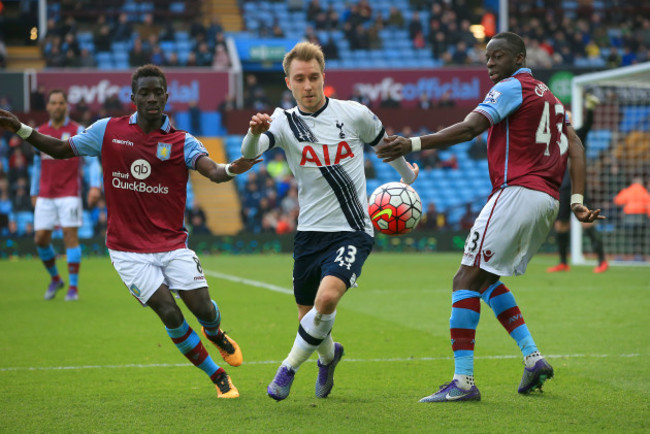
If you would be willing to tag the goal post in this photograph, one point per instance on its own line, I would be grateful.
(618, 151)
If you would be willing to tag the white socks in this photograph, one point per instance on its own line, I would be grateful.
(313, 332)
(326, 350)
(532, 358)
(465, 382)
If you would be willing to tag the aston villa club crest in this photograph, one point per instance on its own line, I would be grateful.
(164, 151)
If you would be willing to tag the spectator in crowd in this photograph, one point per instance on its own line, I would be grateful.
(389, 101)
(415, 25)
(311, 36)
(168, 33)
(195, 118)
(191, 59)
(37, 98)
(286, 102)
(395, 18)
(100, 218)
(278, 168)
(313, 9)
(148, 27)
(18, 166)
(439, 44)
(432, 220)
(429, 159)
(213, 29)
(276, 30)
(460, 55)
(227, 105)
(3, 53)
(221, 60)
(424, 103)
(86, 59)
(451, 163)
(123, 29)
(331, 49)
(203, 55)
(467, 220)
(21, 199)
(56, 58)
(157, 56)
(6, 207)
(446, 100)
(635, 200)
(102, 38)
(112, 104)
(360, 97)
(138, 56)
(71, 60)
(70, 43)
(197, 220)
(4, 103)
(220, 40)
(172, 60)
(478, 149)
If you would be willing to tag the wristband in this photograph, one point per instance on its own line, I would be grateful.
(228, 172)
(24, 131)
(416, 144)
(577, 198)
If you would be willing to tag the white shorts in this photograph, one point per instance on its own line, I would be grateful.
(143, 273)
(60, 211)
(509, 230)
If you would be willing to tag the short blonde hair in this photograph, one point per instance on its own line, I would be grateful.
(304, 51)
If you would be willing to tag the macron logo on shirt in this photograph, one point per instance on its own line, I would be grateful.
(123, 142)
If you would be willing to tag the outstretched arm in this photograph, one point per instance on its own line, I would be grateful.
(396, 146)
(223, 172)
(254, 143)
(578, 172)
(56, 148)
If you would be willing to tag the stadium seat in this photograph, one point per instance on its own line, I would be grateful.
(86, 229)
(211, 124)
(23, 218)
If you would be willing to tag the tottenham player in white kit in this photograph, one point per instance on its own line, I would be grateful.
(323, 139)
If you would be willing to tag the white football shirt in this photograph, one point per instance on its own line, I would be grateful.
(325, 153)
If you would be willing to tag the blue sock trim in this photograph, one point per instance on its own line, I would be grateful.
(524, 340)
(179, 331)
(462, 294)
(464, 362)
(212, 327)
(463, 318)
(486, 294)
(46, 253)
(502, 302)
(74, 254)
(208, 366)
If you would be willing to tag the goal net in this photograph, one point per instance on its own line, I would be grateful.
(618, 155)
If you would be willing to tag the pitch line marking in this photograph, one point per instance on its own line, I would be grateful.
(250, 282)
(275, 362)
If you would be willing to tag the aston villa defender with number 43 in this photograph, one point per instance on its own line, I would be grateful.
(145, 163)
(529, 140)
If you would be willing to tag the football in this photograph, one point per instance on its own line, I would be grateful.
(395, 208)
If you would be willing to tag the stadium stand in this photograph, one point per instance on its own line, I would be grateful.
(378, 34)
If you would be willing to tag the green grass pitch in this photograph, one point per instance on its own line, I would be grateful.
(105, 364)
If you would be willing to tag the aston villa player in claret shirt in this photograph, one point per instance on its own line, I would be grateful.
(529, 140)
(56, 188)
(145, 163)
